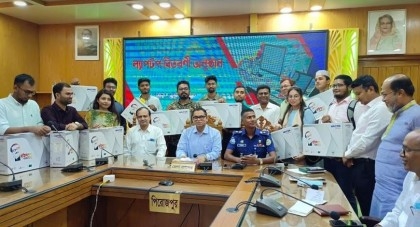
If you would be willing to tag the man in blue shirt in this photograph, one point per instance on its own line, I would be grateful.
(250, 145)
(199, 141)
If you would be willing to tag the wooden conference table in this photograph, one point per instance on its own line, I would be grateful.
(68, 199)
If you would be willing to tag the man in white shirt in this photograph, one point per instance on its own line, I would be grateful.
(149, 100)
(18, 113)
(337, 113)
(406, 212)
(266, 109)
(145, 139)
(361, 151)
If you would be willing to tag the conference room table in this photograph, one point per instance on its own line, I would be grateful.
(56, 198)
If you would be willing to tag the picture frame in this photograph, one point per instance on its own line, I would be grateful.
(87, 43)
(386, 32)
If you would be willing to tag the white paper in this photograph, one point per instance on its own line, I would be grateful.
(300, 209)
(316, 196)
(296, 171)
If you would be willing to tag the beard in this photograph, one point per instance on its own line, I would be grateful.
(340, 97)
(184, 96)
(211, 90)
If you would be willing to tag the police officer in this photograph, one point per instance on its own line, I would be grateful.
(250, 145)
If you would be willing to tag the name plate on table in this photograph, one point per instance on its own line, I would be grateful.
(164, 202)
(183, 166)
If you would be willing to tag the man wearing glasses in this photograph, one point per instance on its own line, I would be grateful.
(406, 211)
(18, 113)
(266, 109)
(200, 141)
(397, 93)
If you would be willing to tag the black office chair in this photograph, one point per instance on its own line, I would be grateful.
(369, 221)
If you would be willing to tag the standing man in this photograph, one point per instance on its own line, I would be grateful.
(405, 211)
(59, 114)
(285, 85)
(239, 96)
(184, 102)
(266, 109)
(200, 141)
(322, 80)
(361, 151)
(397, 93)
(18, 113)
(149, 100)
(110, 84)
(211, 86)
(145, 139)
(337, 113)
(250, 145)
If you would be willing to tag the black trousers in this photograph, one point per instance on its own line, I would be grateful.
(363, 175)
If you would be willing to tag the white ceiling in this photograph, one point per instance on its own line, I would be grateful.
(84, 11)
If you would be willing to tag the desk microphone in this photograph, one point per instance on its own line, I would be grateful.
(267, 180)
(313, 186)
(203, 165)
(271, 207)
(104, 160)
(12, 185)
(76, 166)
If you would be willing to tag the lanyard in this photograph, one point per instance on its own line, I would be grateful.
(395, 115)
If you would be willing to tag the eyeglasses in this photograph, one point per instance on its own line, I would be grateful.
(293, 96)
(111, 87)
(337, 85)
(201, 117)
(28, 92)
(406, 149)
(263, 93)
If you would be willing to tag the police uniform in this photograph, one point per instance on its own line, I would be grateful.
(260, 144)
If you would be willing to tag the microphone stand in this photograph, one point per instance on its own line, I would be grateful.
(76, 166)
(11, 185)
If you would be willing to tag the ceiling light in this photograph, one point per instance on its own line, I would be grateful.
(154, 17)
(137, 6)
(286, 10)
(316, 5)
(165, 4)
(20, 3)
(285, 6)
(179, 16)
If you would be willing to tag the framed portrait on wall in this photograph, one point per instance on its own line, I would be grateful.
(386, 32)
(87, 42)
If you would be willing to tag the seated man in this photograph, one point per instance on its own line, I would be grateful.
(59, 114)
(18, 113)
(199, 141)
(144, 138)
(250, 145)
(407, 208)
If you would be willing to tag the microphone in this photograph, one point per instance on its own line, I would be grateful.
(268, 180)
(271, 207)
(203, 165)
(12, 185)
(76, 166)
(313, 186)
(104, 160)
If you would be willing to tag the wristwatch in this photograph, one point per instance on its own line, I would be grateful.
(78, 124)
